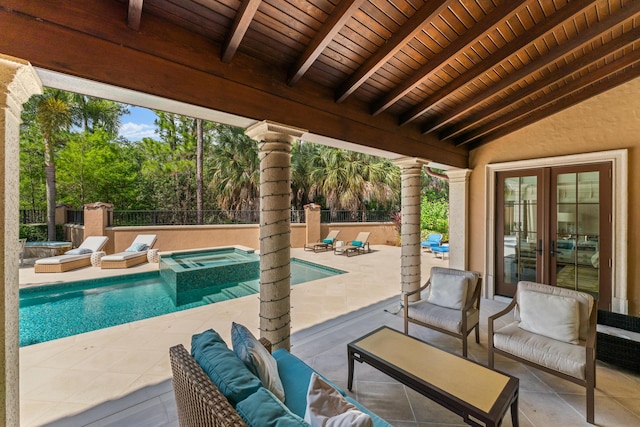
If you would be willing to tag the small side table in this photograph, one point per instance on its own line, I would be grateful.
(153, 255)
(96, 258)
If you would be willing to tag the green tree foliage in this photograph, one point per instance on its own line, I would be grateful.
(161, 173)
(350, 181)
(169, 164)
(94, 167)
(235, 170)
(434, 205)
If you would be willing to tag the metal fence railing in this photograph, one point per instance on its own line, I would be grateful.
(75, 217)
(33, 216)
(192, 217)
(327, 216)
(149, 217)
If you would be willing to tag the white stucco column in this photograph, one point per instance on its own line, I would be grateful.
(274, 144)
(410, 230)
(458, 218)
(18, 81)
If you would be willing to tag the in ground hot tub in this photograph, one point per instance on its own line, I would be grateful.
(192, 274)
(45, 249)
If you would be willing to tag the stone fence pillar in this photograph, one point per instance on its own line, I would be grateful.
(312, 218)
(96, 216)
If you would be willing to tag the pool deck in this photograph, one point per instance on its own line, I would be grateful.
(120, 376)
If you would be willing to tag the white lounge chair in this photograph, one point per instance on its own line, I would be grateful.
(133, 255)
(75, 258)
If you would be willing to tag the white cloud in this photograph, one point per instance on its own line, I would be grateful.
(137, 131)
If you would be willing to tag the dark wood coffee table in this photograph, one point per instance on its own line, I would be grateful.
(481, 396)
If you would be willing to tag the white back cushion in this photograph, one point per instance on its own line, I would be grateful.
(448, 290)
(549, 315)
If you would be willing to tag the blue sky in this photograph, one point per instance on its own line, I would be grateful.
(138, 124)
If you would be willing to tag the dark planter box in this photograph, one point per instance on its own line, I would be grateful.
(616, 350)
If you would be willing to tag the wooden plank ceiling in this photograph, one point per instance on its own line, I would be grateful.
(459, 72)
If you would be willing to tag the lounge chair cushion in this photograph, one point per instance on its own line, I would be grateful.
(328, 241)
(357, 243)
(263, 409)
(230, 375)
(78, 251)
(295, 376)
(137, 247)
(257, 358)
(61, 259)
(552, 316)
(548, 352)
(121, 256)
(448, 290)
(327, 407)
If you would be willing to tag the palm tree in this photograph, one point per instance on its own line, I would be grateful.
(53, 113)
(235, 170)
(349, 180)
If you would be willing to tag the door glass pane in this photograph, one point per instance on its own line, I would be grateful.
(578, 228)
(520, 229)
(566, 191)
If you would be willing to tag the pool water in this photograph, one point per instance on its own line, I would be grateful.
(56, 311)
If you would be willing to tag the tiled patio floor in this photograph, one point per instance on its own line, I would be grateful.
(120, 376)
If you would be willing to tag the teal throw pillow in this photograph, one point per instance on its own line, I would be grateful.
(263, 409)
(357, 243)
(257, 358)
(78, 251)
(328, 241)
(137, 247)
(228, 373)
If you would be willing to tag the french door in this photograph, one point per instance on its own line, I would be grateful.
(553, 225)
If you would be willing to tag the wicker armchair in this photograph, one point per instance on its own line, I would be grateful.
(199, 402)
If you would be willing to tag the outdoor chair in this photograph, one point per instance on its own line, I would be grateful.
(325, 244)
(554, 330)
(450, 304)
(75, 258)
(133, 255)
(433, 239)
(357, 246)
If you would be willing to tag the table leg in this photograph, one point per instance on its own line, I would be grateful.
(514, 412)
(350, 377)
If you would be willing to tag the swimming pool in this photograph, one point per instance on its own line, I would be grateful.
(56, 311)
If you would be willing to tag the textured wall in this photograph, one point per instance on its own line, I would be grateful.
(606, 122)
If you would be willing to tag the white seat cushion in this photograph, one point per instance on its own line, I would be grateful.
(121, 256)
(553, 354)
(445, 318)
(61, 259)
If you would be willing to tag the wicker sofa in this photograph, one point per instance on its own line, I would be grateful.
(200, 403)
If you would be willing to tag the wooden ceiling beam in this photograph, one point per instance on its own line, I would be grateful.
(489, 21)
(579, 64)
(578, 83)
(541, 62)
(629, 74)
(134, 14)
(169, 61)
(486, 65)
(241, 23)
(338, 18)
(398, 40)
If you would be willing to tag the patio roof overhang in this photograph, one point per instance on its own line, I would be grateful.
(428, 79)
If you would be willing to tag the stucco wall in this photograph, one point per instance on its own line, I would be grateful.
(606, 122)
(171, 238)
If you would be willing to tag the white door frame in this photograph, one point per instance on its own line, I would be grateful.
(619, 161)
